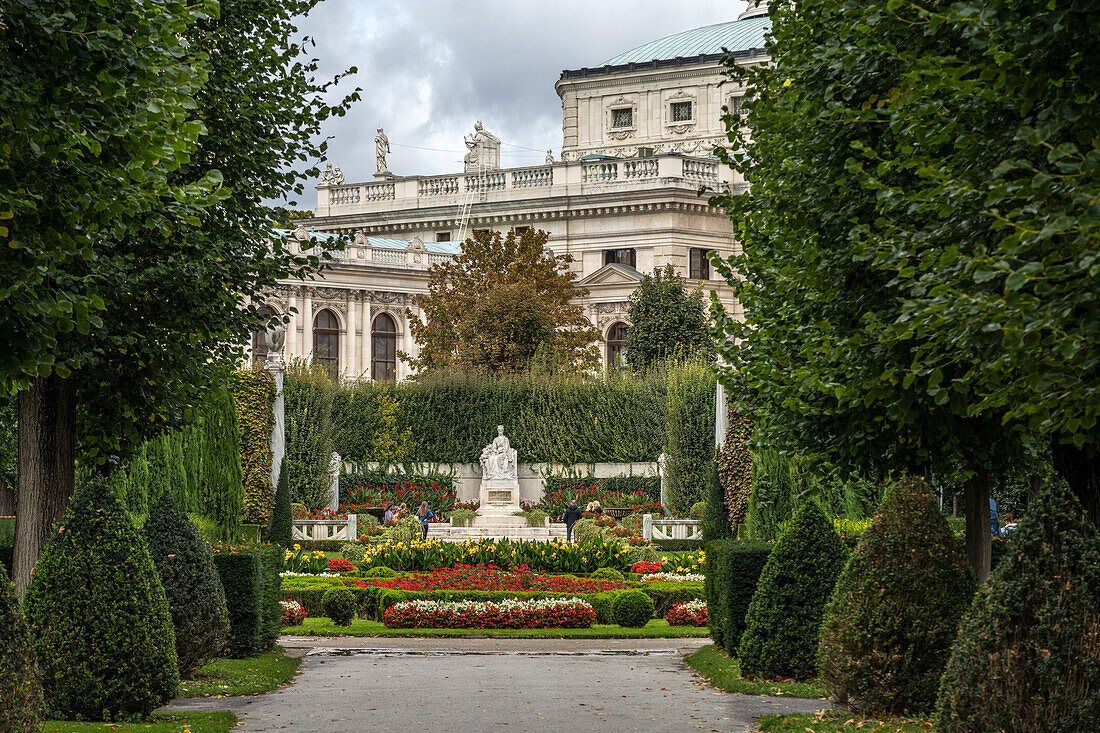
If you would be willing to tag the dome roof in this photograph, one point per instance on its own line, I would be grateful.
(735, 35)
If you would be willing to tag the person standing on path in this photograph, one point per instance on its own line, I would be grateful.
(994, 525)
(572, 514)
(424, 514)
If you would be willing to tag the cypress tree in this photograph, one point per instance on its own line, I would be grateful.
(196, 599)
(99, 617)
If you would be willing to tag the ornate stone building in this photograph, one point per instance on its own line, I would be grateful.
(638, 132)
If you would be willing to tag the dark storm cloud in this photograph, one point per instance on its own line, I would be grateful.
(430, 68)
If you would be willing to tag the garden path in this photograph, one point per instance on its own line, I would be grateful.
(513, 685)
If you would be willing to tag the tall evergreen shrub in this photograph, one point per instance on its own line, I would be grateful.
(222, 482)
(196, 600)
(1028, 655)
(99, 617)
(690, 440)
(893, 616)
(281, 518)
(308, 393)
(716, 521)
(774, 495)
(20, 690)
(784, 616)
(735, 467)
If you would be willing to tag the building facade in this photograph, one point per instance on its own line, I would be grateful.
(628, 196)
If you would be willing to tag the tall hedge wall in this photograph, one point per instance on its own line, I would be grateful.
(254, 396)
(568, 419)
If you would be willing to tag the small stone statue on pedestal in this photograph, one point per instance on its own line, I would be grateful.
(499, 482)
(498, 459)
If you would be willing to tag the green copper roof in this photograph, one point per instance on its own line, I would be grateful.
(736, 35)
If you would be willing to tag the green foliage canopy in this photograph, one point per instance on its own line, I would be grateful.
(498, 304)
(666, 321)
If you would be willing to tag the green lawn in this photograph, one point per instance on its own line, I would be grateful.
(724, 672)
(241, 676)
(833, 722)
(657, 628)
(162, 723)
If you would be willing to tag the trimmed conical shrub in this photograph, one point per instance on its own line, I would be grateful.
(99, 617)
(282, 516)
(893, 616)
(1028, 655)
(784, 616)
(196, 600)
(20, 692)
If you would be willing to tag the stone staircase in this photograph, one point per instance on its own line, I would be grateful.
(487, 528)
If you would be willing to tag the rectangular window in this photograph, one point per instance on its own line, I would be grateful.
(442, 236)
(681, 112)
(622, 117)
(620, 257)
(521, 230)
(645, 152)
(735, 105)
(699, 265)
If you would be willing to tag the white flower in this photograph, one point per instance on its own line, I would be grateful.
(673, 577)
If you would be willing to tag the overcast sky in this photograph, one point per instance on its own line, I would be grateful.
(430, 68)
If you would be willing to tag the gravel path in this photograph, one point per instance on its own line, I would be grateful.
(513, 685)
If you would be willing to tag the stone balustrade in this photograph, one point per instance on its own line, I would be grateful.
(670, 529)
(316, 530)
(559, 179)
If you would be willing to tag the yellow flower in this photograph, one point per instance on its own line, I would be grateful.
(297, 547)
(787, 83)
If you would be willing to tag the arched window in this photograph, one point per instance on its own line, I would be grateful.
(259, 339)
(326, 341)
(616, 338)
(383, 349)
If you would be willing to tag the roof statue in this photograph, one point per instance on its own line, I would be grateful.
(484, 149)
(381, 148)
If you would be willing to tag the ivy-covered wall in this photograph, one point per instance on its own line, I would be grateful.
(254, 395)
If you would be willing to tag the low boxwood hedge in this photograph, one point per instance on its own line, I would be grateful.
(250, 577)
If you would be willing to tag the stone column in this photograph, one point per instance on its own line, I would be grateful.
(292, 327)
(366, 345)
(352, 348)
(721, 411)
(334, 482)
(307, 330)
(277, 366)
(662, 464)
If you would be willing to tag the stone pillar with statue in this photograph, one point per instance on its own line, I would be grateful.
(276, 366)
(499, 493)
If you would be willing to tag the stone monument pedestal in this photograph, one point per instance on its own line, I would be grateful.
(499, 504)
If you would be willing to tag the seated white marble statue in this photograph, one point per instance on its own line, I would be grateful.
(498, 459)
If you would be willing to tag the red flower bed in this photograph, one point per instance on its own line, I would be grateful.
(293, 613)
(299, 513)
(567, 613)
(340, 565)
(492, 578)
(645, 568)
(691, 613)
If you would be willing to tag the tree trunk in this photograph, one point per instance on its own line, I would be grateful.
(47, 438)
(1079, 468)
(977, 523)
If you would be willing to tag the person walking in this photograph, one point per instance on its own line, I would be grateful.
(388, 516)
(424, 514)
(572, 514)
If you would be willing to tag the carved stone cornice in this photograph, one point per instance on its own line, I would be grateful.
(614, 307)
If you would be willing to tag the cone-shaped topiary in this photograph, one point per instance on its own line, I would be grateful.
(20, 692)
(196, 599)
(784, 616)
(281, 519)
(99, 618)
(1028, 655)
(895, 611)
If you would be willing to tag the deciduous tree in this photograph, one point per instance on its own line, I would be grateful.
(666, 320)
(498, 304)
(140, 140)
